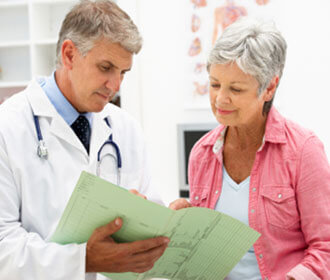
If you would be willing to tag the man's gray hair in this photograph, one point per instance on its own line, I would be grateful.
(257, 47)
(89, 21)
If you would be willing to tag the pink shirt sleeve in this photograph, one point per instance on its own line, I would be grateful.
(313, 197)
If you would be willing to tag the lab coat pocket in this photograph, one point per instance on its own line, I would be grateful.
(280, 206)
(198, 197)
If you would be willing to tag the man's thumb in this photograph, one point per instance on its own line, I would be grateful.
(109, 229)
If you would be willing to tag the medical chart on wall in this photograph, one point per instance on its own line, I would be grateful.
(206, 19)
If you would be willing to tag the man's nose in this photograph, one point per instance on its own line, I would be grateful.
(113, 82)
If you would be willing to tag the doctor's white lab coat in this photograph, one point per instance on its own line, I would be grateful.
(35, 191)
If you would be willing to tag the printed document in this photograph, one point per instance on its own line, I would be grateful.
(205, 244)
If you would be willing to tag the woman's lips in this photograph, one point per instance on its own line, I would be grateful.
(225, 112)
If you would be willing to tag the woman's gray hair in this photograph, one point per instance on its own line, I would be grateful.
(89, 21)
(257, 47)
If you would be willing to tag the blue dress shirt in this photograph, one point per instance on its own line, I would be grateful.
(59, 101)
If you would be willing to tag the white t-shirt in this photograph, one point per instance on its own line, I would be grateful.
(234, 201)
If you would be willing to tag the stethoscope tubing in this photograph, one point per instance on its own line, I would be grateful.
(42, 150)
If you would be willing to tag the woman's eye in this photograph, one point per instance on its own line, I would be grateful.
(236, 89)
(215, 85)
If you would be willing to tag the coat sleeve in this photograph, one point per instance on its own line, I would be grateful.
(24, 254)
(313, 196)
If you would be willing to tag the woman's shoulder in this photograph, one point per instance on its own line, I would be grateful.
(295, 137)
(295, 129)
(296, 134)
(282, 129)
(302, 140)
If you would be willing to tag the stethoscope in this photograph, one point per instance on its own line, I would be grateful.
(42, 150)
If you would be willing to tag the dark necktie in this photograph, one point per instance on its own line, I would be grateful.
(83, 131)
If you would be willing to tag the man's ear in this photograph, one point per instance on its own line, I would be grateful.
(68, 52)
(270, 91)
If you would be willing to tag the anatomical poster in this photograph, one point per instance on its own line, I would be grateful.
(206, 20)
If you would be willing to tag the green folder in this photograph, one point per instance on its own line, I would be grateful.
(205, 244)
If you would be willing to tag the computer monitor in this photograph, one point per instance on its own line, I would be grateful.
(188, 135)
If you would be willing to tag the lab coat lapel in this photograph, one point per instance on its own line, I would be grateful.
(40, 104)
(100, 133)
(62, 130)
(42, 107)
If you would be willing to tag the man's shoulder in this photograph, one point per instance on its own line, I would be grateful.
(17, 99)
(120, 118)
(116, 112)
(14, 106)
(111, 109)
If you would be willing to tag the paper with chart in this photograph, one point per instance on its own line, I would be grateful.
(205, 244)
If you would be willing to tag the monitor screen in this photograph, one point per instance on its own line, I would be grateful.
(188, 135)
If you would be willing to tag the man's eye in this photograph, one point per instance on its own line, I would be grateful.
(105, 68)
(215, 85)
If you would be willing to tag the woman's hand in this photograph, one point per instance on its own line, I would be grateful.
(179, 204)
(134, 191)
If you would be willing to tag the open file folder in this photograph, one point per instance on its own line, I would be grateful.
(205, 244)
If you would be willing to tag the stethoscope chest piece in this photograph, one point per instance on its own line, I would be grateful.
(42, 150)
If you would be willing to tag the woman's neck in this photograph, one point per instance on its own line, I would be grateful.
(247, 136)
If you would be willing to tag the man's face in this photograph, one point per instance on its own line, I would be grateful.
(96, 77)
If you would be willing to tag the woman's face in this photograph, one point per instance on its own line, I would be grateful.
(234, 95)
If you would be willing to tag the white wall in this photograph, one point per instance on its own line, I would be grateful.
(154, 91)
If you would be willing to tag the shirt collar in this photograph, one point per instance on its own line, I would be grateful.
(59, 101)
(275, 127)
(274, 132)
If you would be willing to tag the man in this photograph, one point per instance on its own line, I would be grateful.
(69, 115)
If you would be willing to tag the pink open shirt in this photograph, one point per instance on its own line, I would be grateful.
(289, 200)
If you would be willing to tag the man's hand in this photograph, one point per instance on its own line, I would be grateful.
(179, 204)
(103, 254)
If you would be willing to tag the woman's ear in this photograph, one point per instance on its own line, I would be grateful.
(68, 51)
(270, 91)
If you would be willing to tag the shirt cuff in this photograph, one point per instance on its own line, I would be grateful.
(88, 276)
(301, 272)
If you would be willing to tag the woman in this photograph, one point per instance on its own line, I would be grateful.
(258, 166)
